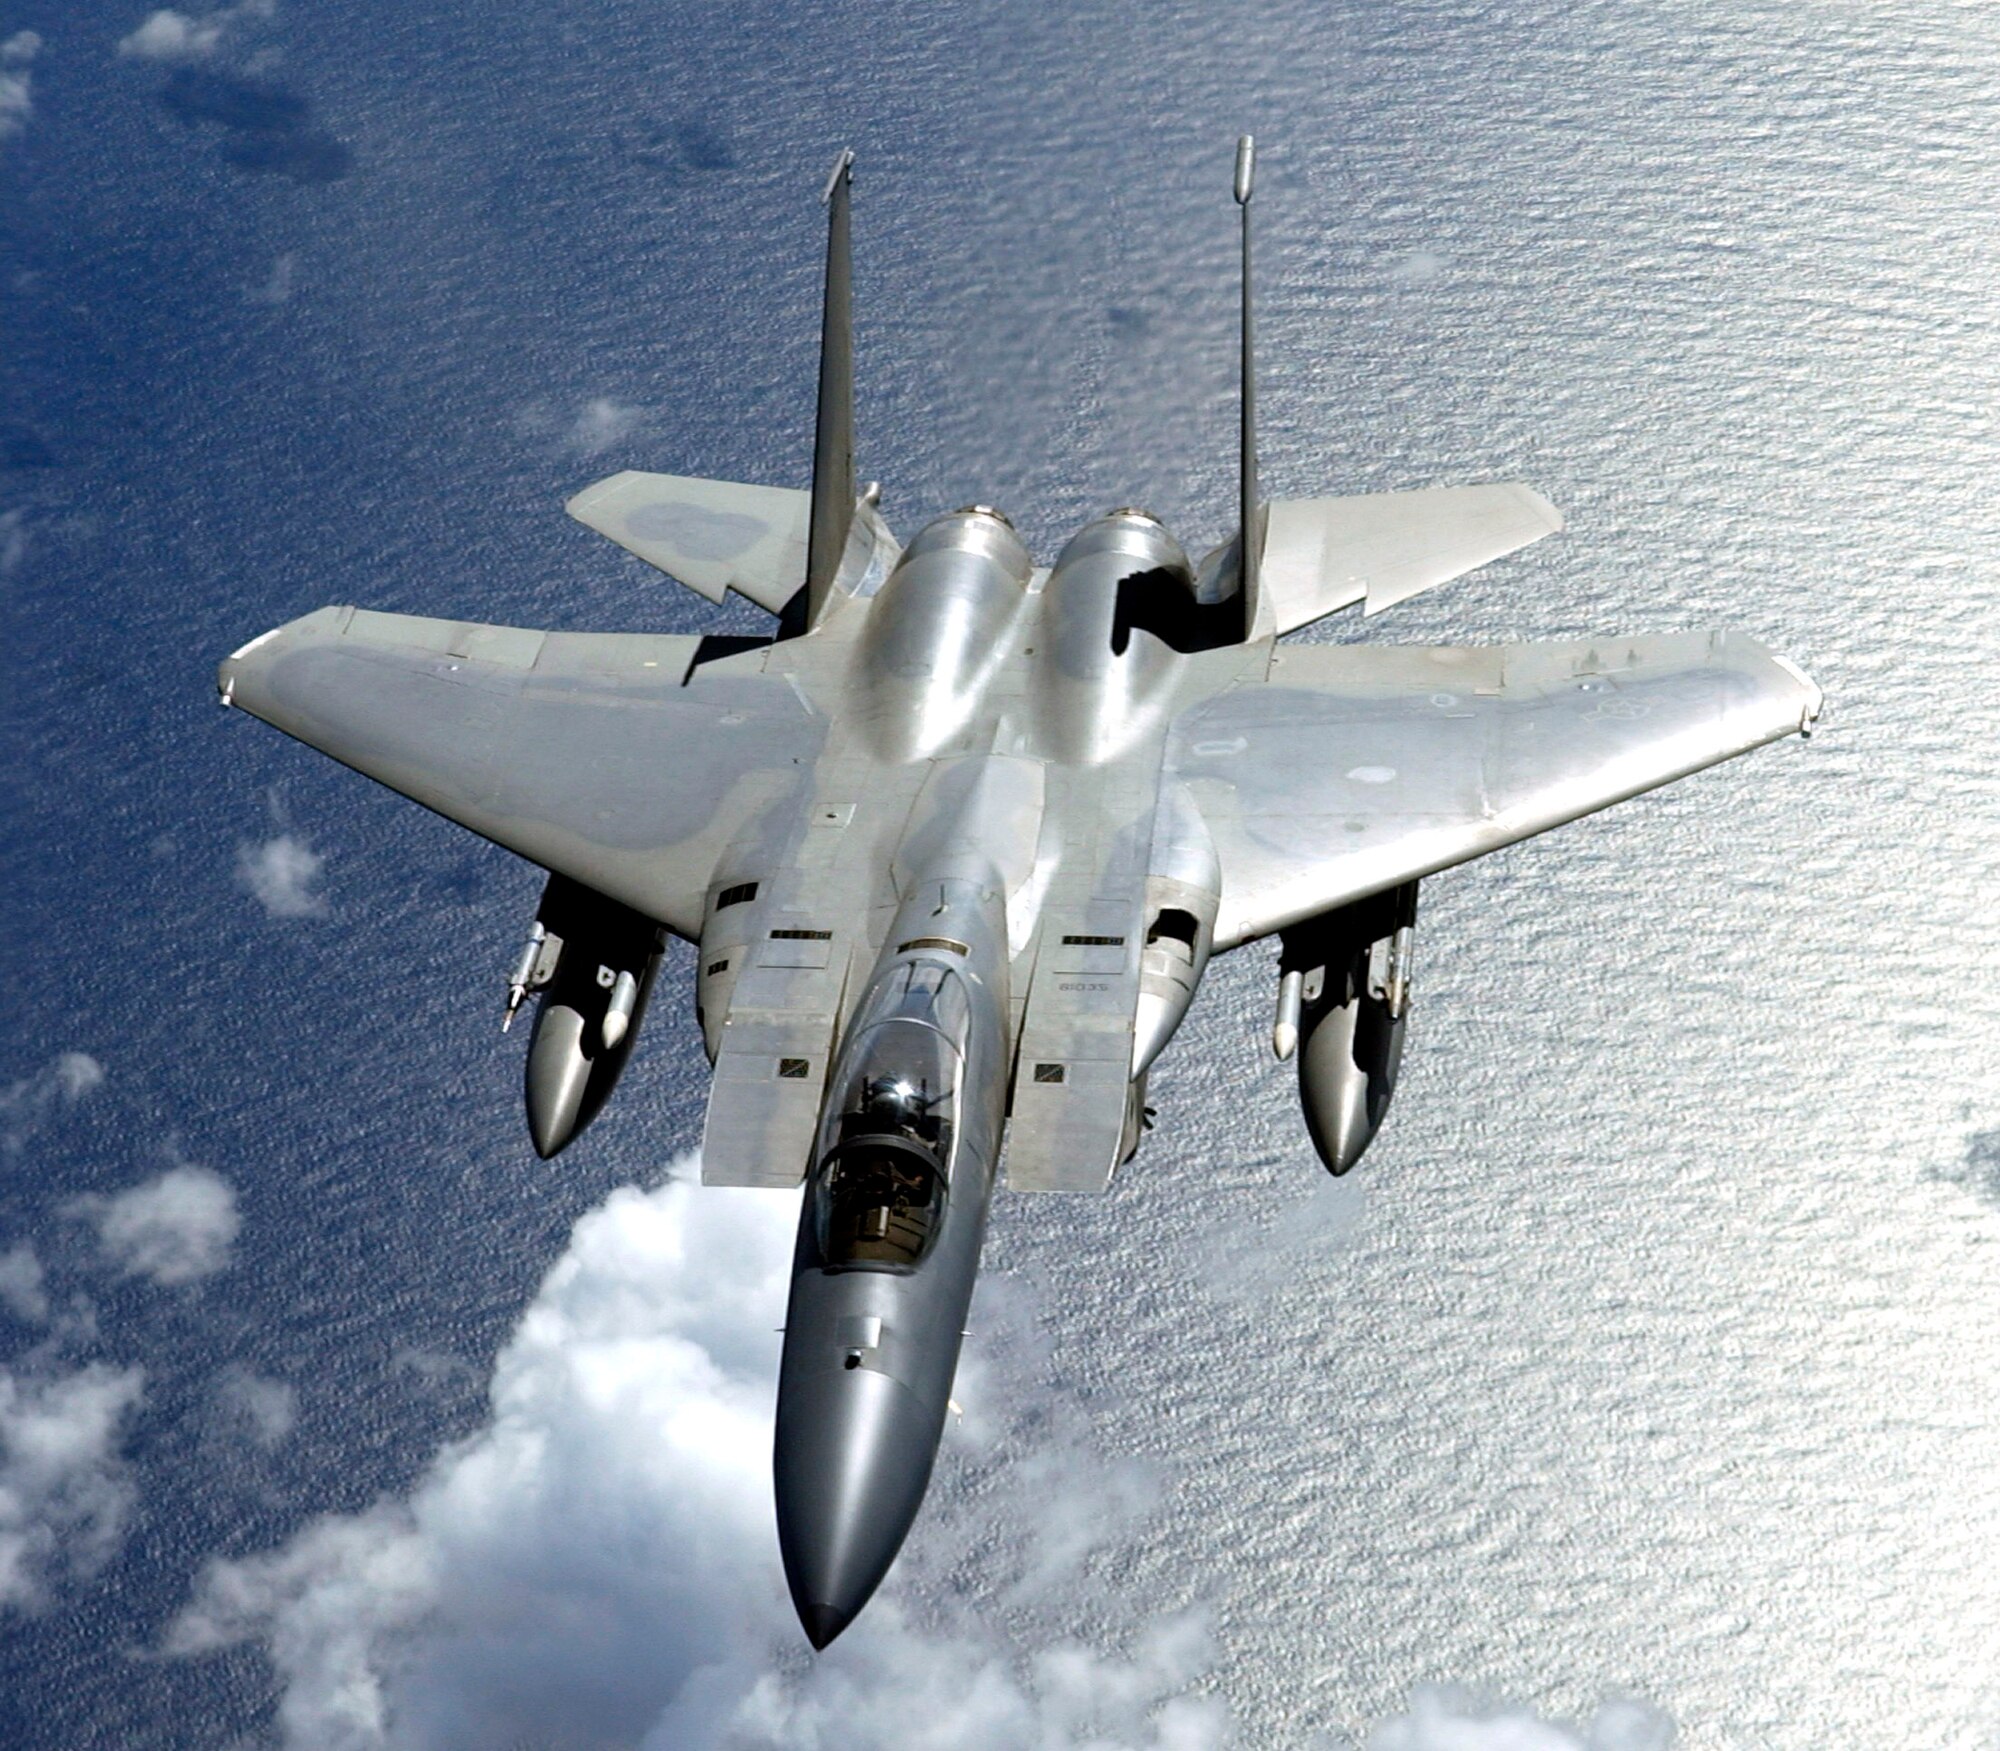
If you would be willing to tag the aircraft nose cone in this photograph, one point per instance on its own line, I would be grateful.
(853, 1457)
(822, 1623)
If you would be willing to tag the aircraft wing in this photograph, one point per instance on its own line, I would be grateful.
(1352, 768)
(612, 758)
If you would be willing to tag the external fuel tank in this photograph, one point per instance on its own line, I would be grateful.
(592, 962)
(1343, 1004)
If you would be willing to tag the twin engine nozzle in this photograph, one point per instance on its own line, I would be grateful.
(591, 962)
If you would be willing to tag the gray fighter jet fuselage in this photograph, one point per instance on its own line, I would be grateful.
(957, 844)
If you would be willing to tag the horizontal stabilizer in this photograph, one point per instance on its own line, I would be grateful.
(713, 535)
(1383, 548)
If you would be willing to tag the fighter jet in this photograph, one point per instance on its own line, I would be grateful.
(957, 841)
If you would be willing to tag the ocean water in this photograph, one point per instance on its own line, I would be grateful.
(1651, 1354)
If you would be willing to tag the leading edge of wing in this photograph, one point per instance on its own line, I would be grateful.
(607, 757)
(1356, 767)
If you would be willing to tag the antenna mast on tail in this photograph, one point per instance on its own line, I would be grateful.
(1250, 537)
(833, 441)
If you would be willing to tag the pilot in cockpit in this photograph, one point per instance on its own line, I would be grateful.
(891, 1103)
(882, 1185)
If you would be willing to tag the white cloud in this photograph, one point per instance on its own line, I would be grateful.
(278, 288)
(27, 1105)
(13, 524)
(434, 1369)
(1442, 1719)
(21, 1291)
(77, 1073)
(167, 35)
(17, 108)
(281, 872)
(590, 430)
(176, 1228)
(254, 1408)
(598, 1563)
(601, 424)
(172, 36)
(1417, 267)
(65, 1495)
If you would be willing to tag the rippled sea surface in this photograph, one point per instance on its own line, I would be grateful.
(1655, 1349)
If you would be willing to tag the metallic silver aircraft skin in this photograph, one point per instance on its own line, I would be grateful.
(957, 844)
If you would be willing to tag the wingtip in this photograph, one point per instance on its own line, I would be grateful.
(1815, 699)
(237, 656)
(580, 503)
(843, 166)
(1545, 511)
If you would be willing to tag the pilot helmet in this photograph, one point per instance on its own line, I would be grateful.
(889, 1097)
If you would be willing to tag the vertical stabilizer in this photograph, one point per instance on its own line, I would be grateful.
(1252, 534)
(833, 442)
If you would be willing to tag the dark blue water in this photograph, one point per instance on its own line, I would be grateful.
(1652, 1358)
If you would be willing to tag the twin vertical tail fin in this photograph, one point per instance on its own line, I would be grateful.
(833, 441)
(833, 502)
(1252, 532)
(1298, 559)
(832, 513)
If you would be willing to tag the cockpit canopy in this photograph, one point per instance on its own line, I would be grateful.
(881, 1201)
(885, 1153)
